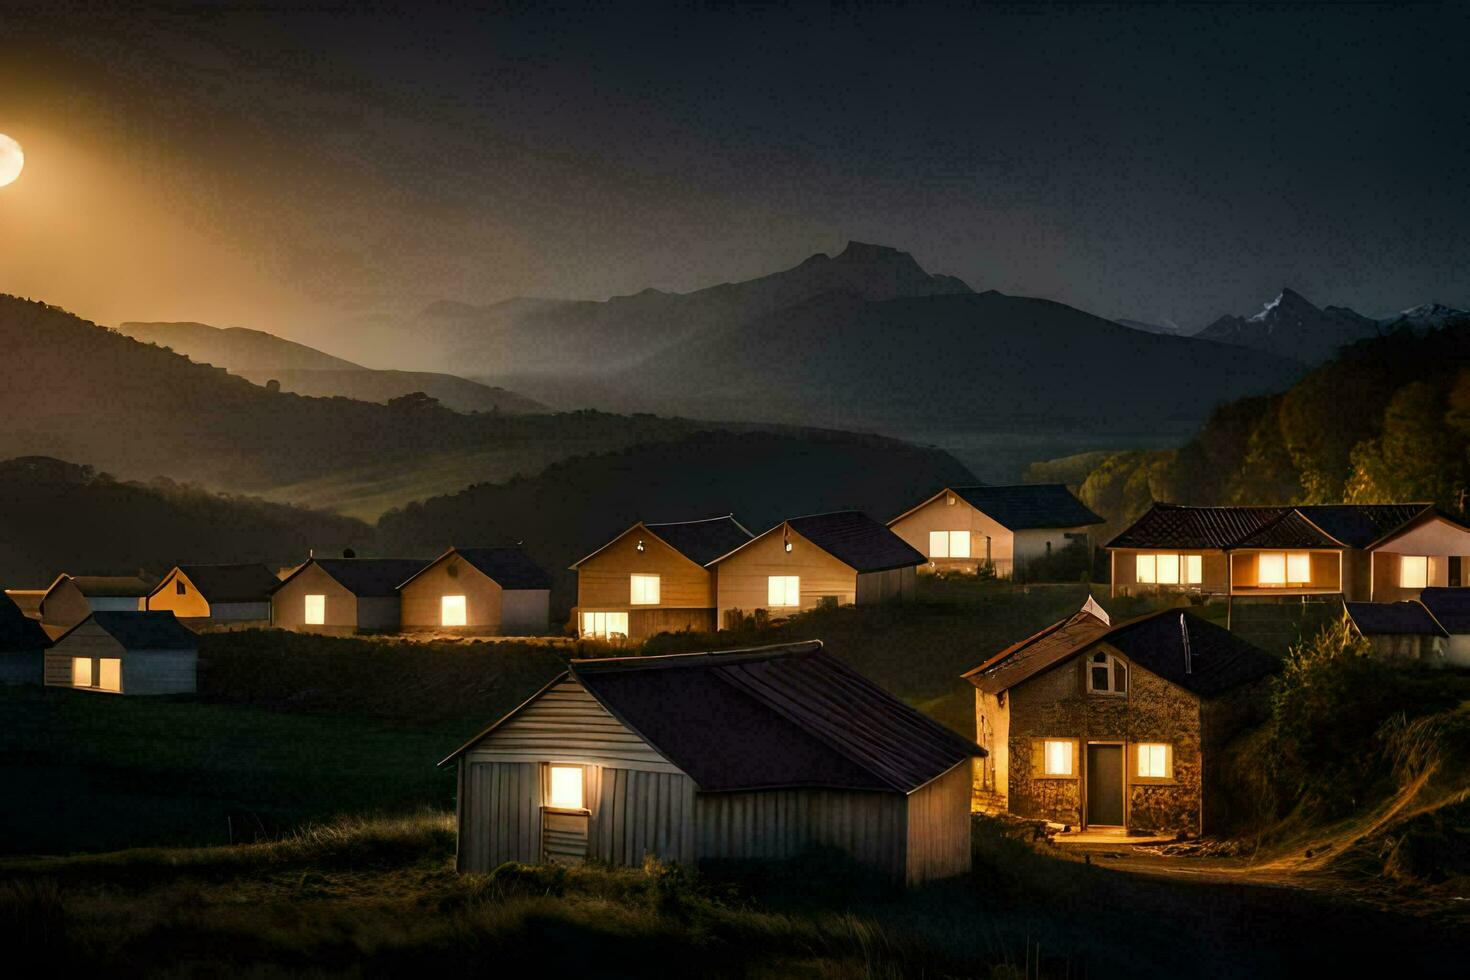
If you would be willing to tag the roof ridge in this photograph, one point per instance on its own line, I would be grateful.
(700, 520)
(692, 658)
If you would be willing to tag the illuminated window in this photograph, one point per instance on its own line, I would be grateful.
(1153, 761)
(81, 671)
(452, 611)
(645, 590)
(564, 789)
(1168, 569)
(1298, 568)
(1057, 757)
(605, 625)
(1106, 674)
(1147, 572)
(949, 544)
(316, 610)
(783, 590)
(1194, 569)
(1414, 572)
(1271, 569)
(109, 674)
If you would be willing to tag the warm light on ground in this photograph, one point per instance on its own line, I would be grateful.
(12, 160)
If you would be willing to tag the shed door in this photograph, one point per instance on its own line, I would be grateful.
(1105, 785)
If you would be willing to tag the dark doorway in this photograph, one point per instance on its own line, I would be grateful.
(1457, 579)
(1105, 785)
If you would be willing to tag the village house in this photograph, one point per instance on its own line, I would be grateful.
(23, 644)
(217, 595)
(1403, 631)
(1091, 724)
(759, 754)
(965, 528)
(1451, 610)
(134, 652)
(839, 559)
(72, 598)
(654, 578)
(343, 596)
(1364, 552)
(477, 592)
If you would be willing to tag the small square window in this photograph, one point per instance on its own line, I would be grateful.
(783, 591)
(644, 590)
(1057, 757)
(452, 611)
(1153, 761)
(1414, 572)
(564, 789)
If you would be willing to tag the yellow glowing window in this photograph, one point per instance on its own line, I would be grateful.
(1194, 569)
(783, 590)
(452, 611)
(604, 625)
(564, 790)
(316, 610)
(1271, 569)
(109, 674)
(1414, 572)
(1153, 760)
(1298, 568)
(644, 590)
(1168, 569)
(1146, 569)
(81, 671)
(1057, 757)
(949, 544)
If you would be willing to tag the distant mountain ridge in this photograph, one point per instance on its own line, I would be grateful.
(261, 357)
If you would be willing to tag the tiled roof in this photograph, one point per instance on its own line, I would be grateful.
(231, 583)
(702, 541)
(1393, 619)
(1450, 606)
(1290, 530)
(156, 630)
(856, 540)
(1037, 652)
(774, 717)
(1307, 526)
(1359, 525)
(1029, 505)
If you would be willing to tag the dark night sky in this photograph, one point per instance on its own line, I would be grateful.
(1157, 162)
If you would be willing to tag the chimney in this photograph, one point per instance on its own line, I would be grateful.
(1188, 658)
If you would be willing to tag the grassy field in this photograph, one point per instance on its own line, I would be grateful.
(379, 897)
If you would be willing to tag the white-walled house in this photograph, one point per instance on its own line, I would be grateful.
(134, 652)
(963, 528)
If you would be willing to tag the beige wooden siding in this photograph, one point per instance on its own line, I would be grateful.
(893, 585)
(190, 605)
(288, 604)
(604, 581)
(988, 539)
(939, 827)
(422, 599)
(774, 825)
(499, 814)
(742, 578)
(640, 814)
(566, 724)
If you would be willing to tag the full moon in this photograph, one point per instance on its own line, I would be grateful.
(12, 160)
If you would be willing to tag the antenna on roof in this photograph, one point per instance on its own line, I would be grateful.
(1188, 657)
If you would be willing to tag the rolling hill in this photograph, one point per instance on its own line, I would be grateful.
(262, 357)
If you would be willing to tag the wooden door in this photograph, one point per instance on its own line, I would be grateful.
(1105, 785)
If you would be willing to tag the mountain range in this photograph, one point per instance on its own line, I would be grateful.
(261, 357)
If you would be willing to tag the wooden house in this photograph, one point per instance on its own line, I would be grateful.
(839, 559)
(72, 598)
(477, 592)
(1364, 552)
(134, 652)
(225, 595)
(965, 528)
(1092, 724)
(1451, 610)
(1403, 631)
(756, 754)
(654, 578)
(343, 596)
(23, 643)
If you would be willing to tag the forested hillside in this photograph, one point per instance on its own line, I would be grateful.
(1388, 419)
(57, 516)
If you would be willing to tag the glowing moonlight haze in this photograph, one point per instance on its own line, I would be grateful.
(12, 160)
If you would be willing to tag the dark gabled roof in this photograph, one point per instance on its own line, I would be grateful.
(702, 541)
(372, 578)
(249, 582)
(1408, 618)
(853, 538)
(1451, 607)
(772, 717)
(1306, 526)
(1218, 659)
(110, 586)
(18, 631)
(155, 630)
(1029, 505)
(509, 568)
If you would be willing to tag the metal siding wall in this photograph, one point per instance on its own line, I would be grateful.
(500, 815)
(644, 813)
(939, 827)
(775, 825)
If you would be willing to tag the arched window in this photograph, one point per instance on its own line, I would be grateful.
(1106, 674)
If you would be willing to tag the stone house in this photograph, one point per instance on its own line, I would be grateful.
(1089, 724)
